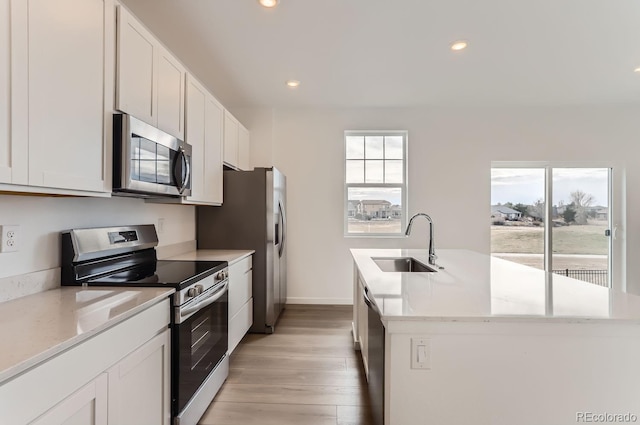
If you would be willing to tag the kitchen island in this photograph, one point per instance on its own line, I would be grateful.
(488, 341)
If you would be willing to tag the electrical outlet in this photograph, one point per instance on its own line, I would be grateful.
(160, 226)
(10, 238)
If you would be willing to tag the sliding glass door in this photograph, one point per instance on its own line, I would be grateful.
(580, 237)
(554, 218)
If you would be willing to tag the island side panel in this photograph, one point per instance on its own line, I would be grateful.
(514, 373)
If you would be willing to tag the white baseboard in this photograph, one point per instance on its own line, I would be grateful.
(323, 301)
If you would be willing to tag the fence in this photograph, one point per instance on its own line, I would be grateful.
(598, 277)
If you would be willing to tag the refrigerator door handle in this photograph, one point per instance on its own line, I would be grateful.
(283, 228)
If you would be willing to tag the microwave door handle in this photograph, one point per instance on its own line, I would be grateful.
(184, 181)
(188, 176)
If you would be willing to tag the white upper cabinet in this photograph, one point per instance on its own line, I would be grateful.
(231, 131)
(136, 79)
(204, 121)
(171, 83)
(62, 56)
(150, 80)
(236, 143)
(244, 136)
(7, 151)
(194, 120)
(214, 119)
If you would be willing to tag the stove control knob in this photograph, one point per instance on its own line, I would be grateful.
(199, 289)
(220, 276)
(192, 292)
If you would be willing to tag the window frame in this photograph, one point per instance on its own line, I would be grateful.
(402, 186)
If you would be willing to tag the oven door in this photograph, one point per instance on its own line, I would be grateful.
(200, 342)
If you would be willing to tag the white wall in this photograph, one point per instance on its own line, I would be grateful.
(42, 218)
(450, 153)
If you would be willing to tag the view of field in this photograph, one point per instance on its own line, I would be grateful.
(575, 239)
(575, 247)
(374, 226)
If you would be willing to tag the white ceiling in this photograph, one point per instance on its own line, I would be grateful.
(355, 53)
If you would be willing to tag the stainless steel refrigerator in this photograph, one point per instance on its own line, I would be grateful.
(253, 216)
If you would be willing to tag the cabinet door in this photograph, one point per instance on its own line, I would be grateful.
(69, 44)
(244, 137)
(195, 136)
(240, 284)
(231, 133)
(363, 327)
(170, 93)
(7, 151)
(87, 406)
(214, 122)
(139, 386)
(136, 74)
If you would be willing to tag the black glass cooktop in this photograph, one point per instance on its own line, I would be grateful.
(178, 274)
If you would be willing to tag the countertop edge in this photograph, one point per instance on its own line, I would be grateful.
(47, 354)
(372, 278)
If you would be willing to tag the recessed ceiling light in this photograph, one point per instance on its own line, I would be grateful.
(293, 84)
(637, 70)
(458, 45)
(268, 3)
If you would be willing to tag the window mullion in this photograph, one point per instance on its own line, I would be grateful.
(548, 225)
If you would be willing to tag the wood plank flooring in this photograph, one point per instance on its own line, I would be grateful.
(307, 372)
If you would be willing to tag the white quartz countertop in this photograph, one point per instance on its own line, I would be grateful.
(36, 327)
(478, 287)
(229, 255)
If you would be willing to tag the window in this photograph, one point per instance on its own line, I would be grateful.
(555, 217)
(375, 183)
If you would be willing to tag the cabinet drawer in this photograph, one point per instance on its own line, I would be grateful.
(240, 324)
(240, 285)
(242, 265)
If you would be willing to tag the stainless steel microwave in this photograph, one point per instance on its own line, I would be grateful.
(147, 162)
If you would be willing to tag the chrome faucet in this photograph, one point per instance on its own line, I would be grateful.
(432, 252)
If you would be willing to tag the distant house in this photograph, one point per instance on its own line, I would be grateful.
(396, 211)
(352, 208)
(501, 211)
(602, 214)
(372, 208)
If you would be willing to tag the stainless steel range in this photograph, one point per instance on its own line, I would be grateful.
(126, 256)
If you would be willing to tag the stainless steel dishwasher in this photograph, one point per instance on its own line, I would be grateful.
(375, 356)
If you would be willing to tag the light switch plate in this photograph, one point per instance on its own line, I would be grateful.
(420, 353)
(9, 238)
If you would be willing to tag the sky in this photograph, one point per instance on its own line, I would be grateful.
(526, 185)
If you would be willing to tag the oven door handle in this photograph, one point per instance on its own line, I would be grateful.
(185, 313)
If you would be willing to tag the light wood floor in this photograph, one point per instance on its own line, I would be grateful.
(306, 373)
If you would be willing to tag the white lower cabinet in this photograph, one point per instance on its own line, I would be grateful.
(87, 406)
(240, 300)
(362, 324)
(119, 377)
(139, 383)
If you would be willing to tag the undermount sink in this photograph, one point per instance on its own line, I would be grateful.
(401, 264)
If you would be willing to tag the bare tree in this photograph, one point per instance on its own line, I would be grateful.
(581, 202)
(537, 210)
